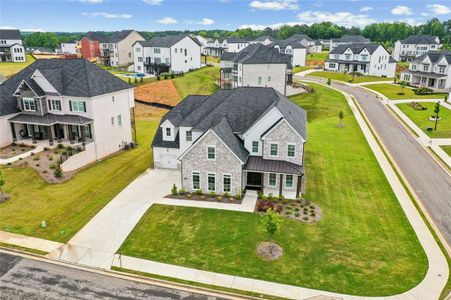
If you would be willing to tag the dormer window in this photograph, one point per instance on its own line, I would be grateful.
(189, 136)
(168, 132)
(29, 104)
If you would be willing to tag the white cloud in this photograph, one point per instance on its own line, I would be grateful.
(153, 2)
(275, 5)
(225, 1)
(346, 19)
(91, 1)
(33, 30)
(8, 27)
(410, 21)
(366, 8)
(401, 10)
(424, 14)
(273, 26)
(206, 21)
(167, 20)
(439, 9)
(107, 15)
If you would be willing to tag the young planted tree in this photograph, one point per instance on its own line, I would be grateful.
(341, 116)
(328, 81)
(402, 85)
(2, 182)
(436, 111)
(271, 222)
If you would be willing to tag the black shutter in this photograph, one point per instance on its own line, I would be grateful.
(70, 105)
(49, 107)
(84, 106)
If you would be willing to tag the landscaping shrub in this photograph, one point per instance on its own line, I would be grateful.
(417, 106)
(270, 196)
(174, 190)
(158, 78)
(226, 195)
(259, 195)
(264, 205)
(238, 196)
(60, 146)
(58, 172)
(182, 192)
(423, 91)
(53, 166)
(36, 157)
(212, 194)
(199, 192)
(172, 75)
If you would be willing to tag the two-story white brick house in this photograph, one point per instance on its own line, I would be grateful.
(415, 45)
(256, 65)
(11, 48)
(311, 45)
(217, 47)
(172, 53)
(117, 49)
(368, 59)
(296, 50)
(67, 100)
(247, 138)
(432, 70)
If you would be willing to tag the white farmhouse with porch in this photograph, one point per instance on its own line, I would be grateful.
(69, 101)
(415, 45)
(217, 47)
(249, 138)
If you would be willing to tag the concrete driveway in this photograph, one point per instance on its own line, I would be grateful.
(96, 243)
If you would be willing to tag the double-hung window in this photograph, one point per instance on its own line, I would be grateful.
(78, 106)
(288, 181)
(291, 150)
(211, 153)
(273, 149)
(156, 50)
(226, 183)
(168, 132)
(196, 181)
(211, 177)
(189, 136)
(119, 120)
(272, 180)
(254, 146)
(29, 104)
(54, 105)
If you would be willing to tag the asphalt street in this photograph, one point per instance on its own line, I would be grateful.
(431, 183)
(23, 278)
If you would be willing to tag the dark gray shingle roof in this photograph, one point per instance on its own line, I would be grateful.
(165, 41)
(225, 133)
(435, 56)
(284, 43)
(231, 39)
(259, 54)
(351, 39)
(10, 34)
(104, 37)
(264, 38)
(420, 39)
(300, 37)
(356, 48)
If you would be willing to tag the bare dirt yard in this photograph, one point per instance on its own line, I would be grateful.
(161, 92)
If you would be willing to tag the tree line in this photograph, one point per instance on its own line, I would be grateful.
(385, 33)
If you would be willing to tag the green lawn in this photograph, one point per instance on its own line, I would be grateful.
(8, 69)
(67, 207)
(210, 59)
(421, 119)
(199, 82)
(299, 69)
(363, 245)
(391, 92)
(348, 77)
(447, 149)
(322, 56)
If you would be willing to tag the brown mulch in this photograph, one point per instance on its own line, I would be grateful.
(14, 150)
(269, 251)
(161, 92)
(313, 63)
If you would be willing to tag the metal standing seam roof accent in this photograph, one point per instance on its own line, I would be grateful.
(259, 164)
(50, 119)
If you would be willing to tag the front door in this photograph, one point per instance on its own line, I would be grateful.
(254, 181)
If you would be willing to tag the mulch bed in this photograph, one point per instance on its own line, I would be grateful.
(207, 198)
(300, 209)
(269, 251)
(13, 150)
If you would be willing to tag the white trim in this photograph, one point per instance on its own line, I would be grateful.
(259, 119)
(167, 121)
(208, 175)
(295, 150)
(208, 147)
(269, 184)
(270, 144)
(192, 180)
(20, 85)
(227, 174)
(280, 122)
(29, 99)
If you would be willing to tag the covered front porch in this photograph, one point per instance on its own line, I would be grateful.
(273, 176)
(433, 81)
(62, 129)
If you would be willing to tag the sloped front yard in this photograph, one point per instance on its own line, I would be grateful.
(362, 245)
(392, 91)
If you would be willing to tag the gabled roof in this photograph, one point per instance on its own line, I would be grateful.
(435, 56)
(355, 48)
(225, 133)
(10, 34)
(231, 39)
(165, 41)
(300, 37)
(263, 38)
(351, 39)
(70, 77)
(258, 54)
(285, 43)
(420, 39)
(103, 37)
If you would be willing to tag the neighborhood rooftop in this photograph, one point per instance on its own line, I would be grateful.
(257, 54)
(103, 37)
(10, 34)
(420, 39)
(352, 39)
(355, 48)
(165, 41)
(435, 56)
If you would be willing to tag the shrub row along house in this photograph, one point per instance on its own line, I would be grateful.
(256, 65)
(110, 49)
(11, 48)
(172, 53)
(67, 101)
(431, 70)
(247, 138)
(415, 45)
(367, 59)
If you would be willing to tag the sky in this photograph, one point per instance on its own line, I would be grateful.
(158, 15)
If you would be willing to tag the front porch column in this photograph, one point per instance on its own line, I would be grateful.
(71, 134)
(13, 131)
(280, 184)
(33, 135)
(82, 128)
(299, 186)
(50, 135)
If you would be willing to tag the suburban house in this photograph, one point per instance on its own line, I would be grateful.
(368, 59)
(202, 41)
(115, 49)
(69, 47)
(11, 48)
(172, 53)
(324, 43)
(264, 39)
(346, 40)
(432, 70)
(296, 50)
(67, 101)
(415, 45)
(229, 44)
(258, 66)
(244, 139)
(311, 45)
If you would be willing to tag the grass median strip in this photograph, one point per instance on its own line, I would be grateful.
(340, 76)
(392, 91)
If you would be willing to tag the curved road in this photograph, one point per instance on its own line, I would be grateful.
(426, 177)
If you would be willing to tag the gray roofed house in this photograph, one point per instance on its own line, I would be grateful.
(69, 101)
(348, 39)
(165, 41)
(421, 39)
(238, 130)
(216, 47)
(12, 49)
(414, 46)
(10, 34)
(355, 48)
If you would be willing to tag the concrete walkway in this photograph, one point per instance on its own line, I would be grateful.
(28, 242)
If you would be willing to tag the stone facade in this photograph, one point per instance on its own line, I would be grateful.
(283, 135)
(195, 160)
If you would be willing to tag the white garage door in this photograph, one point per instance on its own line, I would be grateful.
(168, 161)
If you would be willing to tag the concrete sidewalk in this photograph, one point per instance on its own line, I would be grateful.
(28, 242)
